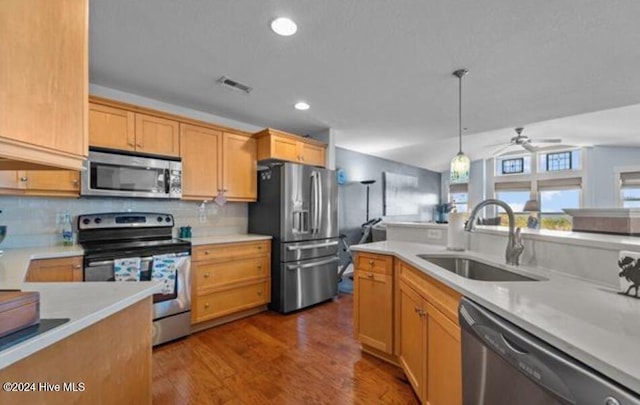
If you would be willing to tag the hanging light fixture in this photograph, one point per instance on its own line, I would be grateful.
(460, 164)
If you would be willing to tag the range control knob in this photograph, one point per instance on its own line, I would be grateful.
(86, 221)
(98, 220)
(167, 219)
(159, 219)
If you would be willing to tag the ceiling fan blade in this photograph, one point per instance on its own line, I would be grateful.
(498, 144)
(529, 147)
(547, 140)
(500, 150)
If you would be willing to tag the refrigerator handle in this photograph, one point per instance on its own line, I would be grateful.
(314, 201)
(319, 202)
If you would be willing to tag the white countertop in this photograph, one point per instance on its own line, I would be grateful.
(589, 322)
(215, 239)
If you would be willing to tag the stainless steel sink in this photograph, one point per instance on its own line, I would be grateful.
(473, 269)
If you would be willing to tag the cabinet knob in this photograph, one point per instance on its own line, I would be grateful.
(206, 305)
(370, 262)
(77, 266)
(206, 252)
(259, 247)
(259, 267)
(23, 178)
(370, 275)
(206, 275)
(260, 292)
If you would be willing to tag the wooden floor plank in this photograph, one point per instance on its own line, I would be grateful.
(307, 357)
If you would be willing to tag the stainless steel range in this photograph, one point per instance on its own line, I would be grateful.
(109, 239)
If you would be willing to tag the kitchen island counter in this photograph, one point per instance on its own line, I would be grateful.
(588, 321)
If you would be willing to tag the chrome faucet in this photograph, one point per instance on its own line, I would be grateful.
(514, 246)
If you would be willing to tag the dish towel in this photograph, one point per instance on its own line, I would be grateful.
(127, 269)
(164, 270)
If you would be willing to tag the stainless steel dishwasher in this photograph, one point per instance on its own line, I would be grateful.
(503, 364)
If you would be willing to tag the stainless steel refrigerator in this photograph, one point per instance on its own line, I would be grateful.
(297, 205)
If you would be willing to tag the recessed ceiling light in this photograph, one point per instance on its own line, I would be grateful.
(301, 105)
(284, 26)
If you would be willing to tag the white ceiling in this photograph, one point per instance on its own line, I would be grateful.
(378, 72)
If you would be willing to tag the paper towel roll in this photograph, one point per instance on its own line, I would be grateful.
(455, 232)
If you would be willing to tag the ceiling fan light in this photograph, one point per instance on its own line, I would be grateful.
(460, 167)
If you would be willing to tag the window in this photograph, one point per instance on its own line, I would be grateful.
(515, 194)
(630, 189)
(509, 165)
(559, 161)
(555, 195)
(459, 196)
(512, 166)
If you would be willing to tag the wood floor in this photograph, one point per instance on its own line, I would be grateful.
(306, 358)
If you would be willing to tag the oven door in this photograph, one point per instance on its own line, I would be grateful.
(116, 175)
(163, 304)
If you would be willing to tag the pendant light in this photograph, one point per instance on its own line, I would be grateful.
(460, 164)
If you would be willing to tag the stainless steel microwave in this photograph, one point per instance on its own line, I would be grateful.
(112, 174)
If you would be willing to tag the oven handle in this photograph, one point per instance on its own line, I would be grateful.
(314, 264)
(111, 262)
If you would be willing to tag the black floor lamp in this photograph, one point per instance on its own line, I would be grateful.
(367, 183)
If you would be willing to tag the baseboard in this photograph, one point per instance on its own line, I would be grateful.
(198, 327)
(389, 358)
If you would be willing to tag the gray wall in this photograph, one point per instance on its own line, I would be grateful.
(352, 195)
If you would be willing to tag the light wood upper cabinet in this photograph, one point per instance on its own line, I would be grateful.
(55, 270)
(239, 175)
(44, 82)
(111, 127)
(118, 128)
(200, 150)
(312, 154)
(157, 135)
(279, 145)
(54, 183)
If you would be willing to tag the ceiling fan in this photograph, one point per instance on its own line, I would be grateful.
(524, 141)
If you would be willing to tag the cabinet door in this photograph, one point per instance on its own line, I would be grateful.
(239, 167)
(413, 339)
(444, 360)
(44, 80)
(55, 270)
(158, 136)
(52, 181)
(111, 127)
(373, 310)
(284, 148)
(200, 149)
(312, 154)
(11, 180)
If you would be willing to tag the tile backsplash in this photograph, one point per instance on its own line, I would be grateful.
(35, 221)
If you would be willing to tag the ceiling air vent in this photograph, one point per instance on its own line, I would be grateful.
(232, 84)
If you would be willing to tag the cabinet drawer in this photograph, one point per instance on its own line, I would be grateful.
(232, 300)
(374, 263)
(231, 250)
(218, 274)
(439, 295)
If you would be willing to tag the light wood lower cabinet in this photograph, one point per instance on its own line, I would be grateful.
(230, 278)
(408, 318)
(413, 338)
(55, 270)
(437, 368)
(373, 302)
